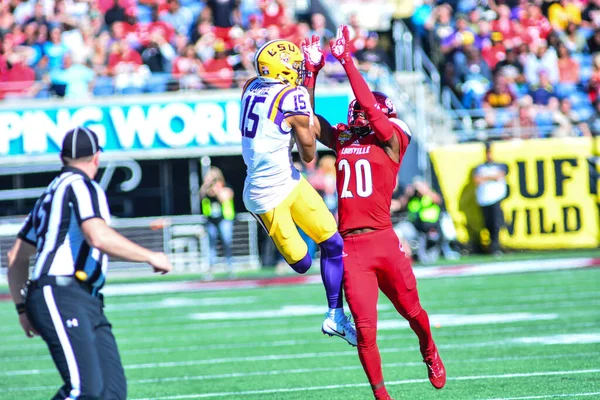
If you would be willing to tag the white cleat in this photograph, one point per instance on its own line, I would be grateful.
(342, 328)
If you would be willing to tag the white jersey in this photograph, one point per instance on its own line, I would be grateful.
(267, 142)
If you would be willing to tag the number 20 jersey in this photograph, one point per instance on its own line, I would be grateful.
(366, 178)
(267, 141)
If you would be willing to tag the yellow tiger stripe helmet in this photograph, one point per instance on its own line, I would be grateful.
(280, 61)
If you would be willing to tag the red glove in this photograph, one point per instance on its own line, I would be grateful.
(313, 59)
(340, 46)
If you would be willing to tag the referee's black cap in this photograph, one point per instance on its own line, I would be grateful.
(80, 142)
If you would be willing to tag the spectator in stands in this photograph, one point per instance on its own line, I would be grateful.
(55, 49)
(224, 14)
(541, 58)
(594, 83)
(511, 68)
(41, 69)
(534, 21)
(563, 12)
(475, 78)
(496, 52)
(491, 189)
(219, 209)
(272, 11)
(593, 42)
(503, 23)
(371, 55)
(319, 28)
(568, 68)
(574, 39)
(39, 16)
(542, 92)
(187, 69)
(524, 126)
(218, 70)
(31, 41)
(159, 53)
(440, 22)
(495, 102)
(456, 39)
(115, 14)
(591, 15)
(594, 121)
(18, 80)
(358, 34)
(500, 95)
(77, 78)
(126, 66)
(180, 18)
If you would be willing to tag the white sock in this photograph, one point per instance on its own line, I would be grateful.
(336, 313)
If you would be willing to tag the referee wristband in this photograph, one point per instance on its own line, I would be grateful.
(20, 308)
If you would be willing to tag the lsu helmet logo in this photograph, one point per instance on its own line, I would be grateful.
(280, 61)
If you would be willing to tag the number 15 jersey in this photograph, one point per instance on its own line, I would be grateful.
(267, 141)
(366, 178)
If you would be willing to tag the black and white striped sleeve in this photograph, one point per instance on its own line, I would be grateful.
(27, 232)
(86, 200)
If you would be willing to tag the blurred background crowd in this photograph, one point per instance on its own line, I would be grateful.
(81, 48)
(538, 58)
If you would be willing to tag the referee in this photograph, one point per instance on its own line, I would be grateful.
(68, 231)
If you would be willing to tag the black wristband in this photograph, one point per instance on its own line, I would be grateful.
(20, 308)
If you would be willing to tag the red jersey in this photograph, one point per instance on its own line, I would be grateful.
(366, 178)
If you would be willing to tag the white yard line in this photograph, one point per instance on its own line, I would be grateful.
(549, 396)
(392, 383)
(494, 329)
(320, 369)
(551, 340)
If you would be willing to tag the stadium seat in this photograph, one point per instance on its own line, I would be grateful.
(103, 86)
(579, 99)
(565, 89)
(157, 83)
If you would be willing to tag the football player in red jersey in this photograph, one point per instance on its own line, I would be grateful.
(369, 152)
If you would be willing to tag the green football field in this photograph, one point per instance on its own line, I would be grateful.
(520, 336)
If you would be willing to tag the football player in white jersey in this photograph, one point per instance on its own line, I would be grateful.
(276, 113)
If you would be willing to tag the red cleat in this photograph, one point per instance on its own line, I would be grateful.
(435, 370)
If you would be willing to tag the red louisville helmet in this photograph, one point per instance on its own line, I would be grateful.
(357, 118)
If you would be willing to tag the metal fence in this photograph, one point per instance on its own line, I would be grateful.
(184, 238)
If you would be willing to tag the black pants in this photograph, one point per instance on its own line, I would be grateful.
(80, 340)
(493, 218)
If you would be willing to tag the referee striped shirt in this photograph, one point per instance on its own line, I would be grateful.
(54, 227)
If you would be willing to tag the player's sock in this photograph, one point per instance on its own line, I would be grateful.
(303, 265)
(332, 269)
(336, 314)
(419, 322)
(381, 393)
(369, 354)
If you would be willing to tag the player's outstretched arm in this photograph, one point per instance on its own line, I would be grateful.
(383, 128)
(314, 60)
(107, 240)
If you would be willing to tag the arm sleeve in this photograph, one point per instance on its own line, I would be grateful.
(86, 200)
(379, 121)
(27, 232)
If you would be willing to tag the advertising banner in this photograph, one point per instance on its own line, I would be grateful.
(552, 201)
(166, 126)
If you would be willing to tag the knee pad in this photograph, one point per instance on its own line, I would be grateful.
(303, 265)
(334, 246)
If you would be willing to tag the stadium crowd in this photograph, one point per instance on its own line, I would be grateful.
(531, 65)
(83, 48)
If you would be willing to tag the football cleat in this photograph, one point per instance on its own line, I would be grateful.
(342, 328)
(435, 369)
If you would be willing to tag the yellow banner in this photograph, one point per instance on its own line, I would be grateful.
(553, 199)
